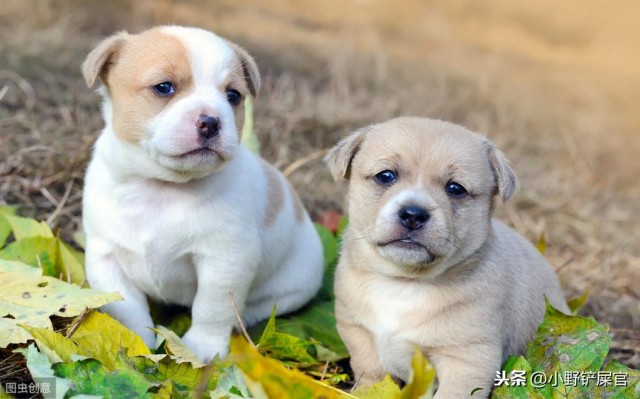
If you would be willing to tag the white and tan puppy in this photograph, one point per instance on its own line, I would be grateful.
(424, 264)
(175, 209)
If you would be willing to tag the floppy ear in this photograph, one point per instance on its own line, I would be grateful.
(249, 68)
(339, 158)
(507, 182)
(98, 61)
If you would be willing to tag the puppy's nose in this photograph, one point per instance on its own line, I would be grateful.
(208, 126)
(413, 217)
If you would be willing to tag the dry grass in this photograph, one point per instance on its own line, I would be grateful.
(533, 80)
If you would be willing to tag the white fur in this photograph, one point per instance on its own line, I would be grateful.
(190, 236)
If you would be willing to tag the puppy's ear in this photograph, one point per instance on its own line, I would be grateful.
(249, 69)
(98, 61)
(507, 182)
(339, 158)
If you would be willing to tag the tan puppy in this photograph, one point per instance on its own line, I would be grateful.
(423, 263)
(175, 209)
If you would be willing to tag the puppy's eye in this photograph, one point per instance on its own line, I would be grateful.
(455, 190)
(233, 96)
(164, 89)
(386, 177)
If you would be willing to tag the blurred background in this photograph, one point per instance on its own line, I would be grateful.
(555, 84)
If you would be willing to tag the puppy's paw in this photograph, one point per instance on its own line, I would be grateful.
(206, 344)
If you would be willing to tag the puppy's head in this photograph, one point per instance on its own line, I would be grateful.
(176, 93)
(421, 191)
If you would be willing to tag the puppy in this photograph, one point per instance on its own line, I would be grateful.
(423, 263)
(175, 209)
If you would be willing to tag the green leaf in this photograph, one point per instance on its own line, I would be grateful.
(284, 346)
(330, 251)
(249, 138)
(34, 251)
(55, 257)
(567, 344)
(317, 322)
(26, 227)
(575, 304)
(41, 372)
(30, 299)
(231, 385)
(174, 346)
(507, 389)
(184, 375)
(382, 390)
(628, 379)
(268, 378)
(89, 377)
(101, 337)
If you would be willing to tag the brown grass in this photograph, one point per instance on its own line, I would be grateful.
(554, 87)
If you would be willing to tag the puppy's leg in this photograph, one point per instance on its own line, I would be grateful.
(460, 370)
(105, 275)
(212, 313)
(365, 362)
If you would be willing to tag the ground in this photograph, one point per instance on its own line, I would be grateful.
(555, 85)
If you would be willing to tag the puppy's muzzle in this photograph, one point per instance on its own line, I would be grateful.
(413, 217)
(208, 126)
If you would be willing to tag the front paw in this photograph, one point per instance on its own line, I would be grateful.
(206, 343)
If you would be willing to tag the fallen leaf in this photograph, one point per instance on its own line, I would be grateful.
(385, 389)
(40, 369)
(268, 378)
(175, 347)
(29, 298)
(89, 377)
(421, 378)
(284, 346)
(249, 137)
(102, 337)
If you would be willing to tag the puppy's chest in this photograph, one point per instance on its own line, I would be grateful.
(159, 233)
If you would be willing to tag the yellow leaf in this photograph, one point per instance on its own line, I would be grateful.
(249, 138)
(177, 348)
(56, 346)
(30, 299)
(68, 264)
(542, 243)
(382, 390)
(420, 379)
(268, 378)
(101, 337)
(575, 304)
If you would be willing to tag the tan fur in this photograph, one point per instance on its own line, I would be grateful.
(137, 63)
(468, 290)
(275, 194)
(247, 70)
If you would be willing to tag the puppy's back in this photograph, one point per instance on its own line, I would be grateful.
(530, 278)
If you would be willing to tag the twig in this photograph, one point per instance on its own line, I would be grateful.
(242, 328)
(324, 371)
(297, 164)
(76, 323)
(60, 204)
(355, 384)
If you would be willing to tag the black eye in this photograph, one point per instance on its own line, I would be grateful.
(233, 96)
(164, 89)
(455, 190)
(386, 177)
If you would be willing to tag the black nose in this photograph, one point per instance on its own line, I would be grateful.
(208, 126)
(413, 217)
